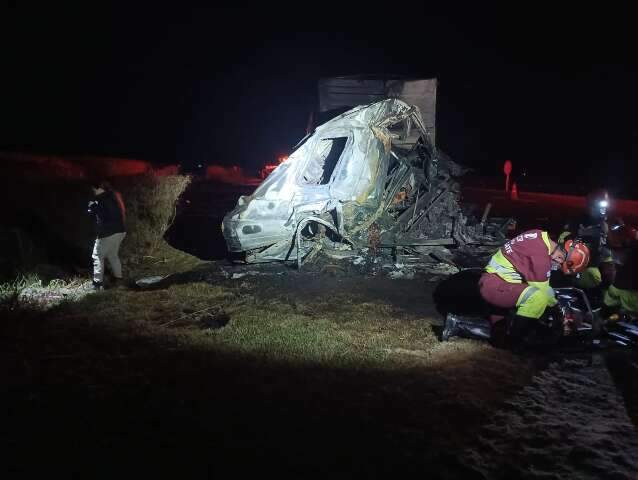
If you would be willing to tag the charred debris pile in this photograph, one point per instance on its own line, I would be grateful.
(366, 185)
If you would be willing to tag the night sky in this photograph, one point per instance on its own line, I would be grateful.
(553, 92)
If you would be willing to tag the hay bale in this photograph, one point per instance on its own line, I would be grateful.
(53, 211)
(151, 202)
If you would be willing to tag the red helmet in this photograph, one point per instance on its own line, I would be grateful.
(576, 257)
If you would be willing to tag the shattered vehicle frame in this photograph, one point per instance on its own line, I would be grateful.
(369, 178)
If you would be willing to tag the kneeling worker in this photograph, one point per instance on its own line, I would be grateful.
(517, 276)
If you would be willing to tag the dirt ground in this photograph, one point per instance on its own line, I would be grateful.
(99, 398)
(565, 416)
(111, 403)
(571, 420)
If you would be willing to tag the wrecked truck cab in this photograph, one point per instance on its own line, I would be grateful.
(327, 168)
(258, 220)
(368, 176)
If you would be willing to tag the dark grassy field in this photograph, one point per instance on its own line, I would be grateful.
(319, 372)
(340, 381)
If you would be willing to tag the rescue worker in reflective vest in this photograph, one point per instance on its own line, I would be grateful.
(592, 228)
(622, 295)
(517, 276)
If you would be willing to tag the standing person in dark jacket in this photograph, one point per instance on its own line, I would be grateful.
(109, 213)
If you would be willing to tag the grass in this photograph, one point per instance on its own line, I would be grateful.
(333, 332)
(286, 384)
(333, 382)
(29, 292)
(14, 287)
(356, 333)
(162, 260)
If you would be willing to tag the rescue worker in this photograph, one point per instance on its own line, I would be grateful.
(517, 276)
(592, 228)
(622, 295)
(108, 211)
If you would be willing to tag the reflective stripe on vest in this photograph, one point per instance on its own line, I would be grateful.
(528, 292)
(506, 272)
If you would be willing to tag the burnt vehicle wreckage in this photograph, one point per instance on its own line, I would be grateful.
(371, 178)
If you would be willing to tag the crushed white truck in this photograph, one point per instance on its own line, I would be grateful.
(368, 178)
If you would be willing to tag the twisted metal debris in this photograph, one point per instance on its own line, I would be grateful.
(372, 169)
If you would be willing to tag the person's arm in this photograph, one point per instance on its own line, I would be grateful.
(96, 208)
(540, 266)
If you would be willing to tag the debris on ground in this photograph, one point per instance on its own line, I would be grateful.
(150, 281)
(245, 273)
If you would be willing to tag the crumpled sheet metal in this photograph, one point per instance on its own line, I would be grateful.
(385, 146)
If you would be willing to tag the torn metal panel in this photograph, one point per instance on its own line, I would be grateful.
(369, 178)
